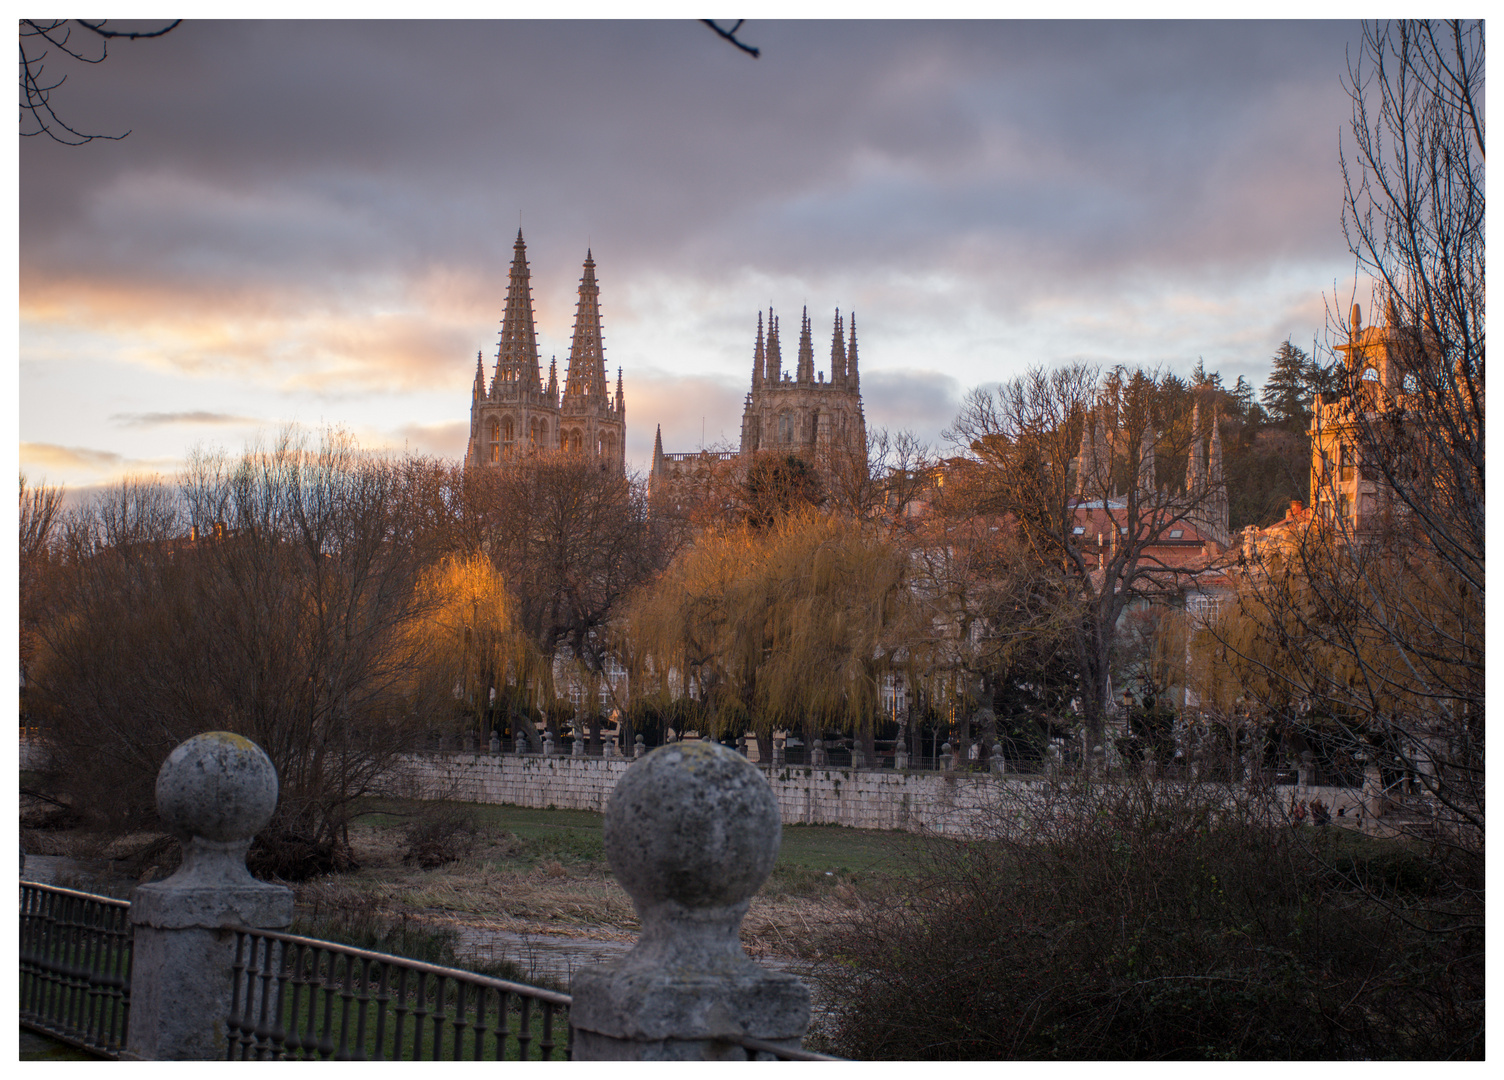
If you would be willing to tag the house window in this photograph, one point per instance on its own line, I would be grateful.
(495, 441)
(1176, 534)
(1412, 384)
(1370, 374)
(1079, 530)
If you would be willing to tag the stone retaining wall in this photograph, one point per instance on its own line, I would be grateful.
(863, 799)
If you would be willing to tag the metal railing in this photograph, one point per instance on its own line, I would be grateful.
(75, 951)
(295, 997)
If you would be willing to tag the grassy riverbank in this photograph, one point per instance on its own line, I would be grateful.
(544, 872)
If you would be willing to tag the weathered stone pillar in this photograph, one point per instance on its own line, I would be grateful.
(996, 759)
(640, 748)
(1305, 774)
(817, 753)
(779, 757)
(548, 744)
(495, 741)
(858, 755)
(577, 749)
(214, 793)
(692, 831)
(901, 755)
(947, 758)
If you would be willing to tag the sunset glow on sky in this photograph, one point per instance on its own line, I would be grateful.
(313, 222)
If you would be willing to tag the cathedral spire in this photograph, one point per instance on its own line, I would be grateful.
(553, 380)
(1195, 469)
(1218, 511)
(759, 356)
(621, 401)
(775, 354)
(1214, 453)
(586, 375)
(1087, 466)
(805, 373)
(517, 352)
(479, 390)
(853, 376)
(658, 450)
(838, 353)
(1146, 463)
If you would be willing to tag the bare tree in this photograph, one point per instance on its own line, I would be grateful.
(273, 594)
(1363, 631)
(1083, 469)
(39, 519)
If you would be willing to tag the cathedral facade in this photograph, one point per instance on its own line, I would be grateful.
(517, 414)
(804, 414)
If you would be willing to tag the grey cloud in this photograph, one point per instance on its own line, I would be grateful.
(912, 399)
(370, 147)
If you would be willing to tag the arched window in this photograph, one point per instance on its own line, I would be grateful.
(1370, 374)
(784, 425)
(495, 441)
(508, 437)
(1412, 384)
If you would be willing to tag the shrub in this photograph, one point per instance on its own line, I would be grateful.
(440, 836)
(1145, 921)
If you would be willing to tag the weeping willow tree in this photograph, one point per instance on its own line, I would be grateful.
(476, 646)
(788, 627)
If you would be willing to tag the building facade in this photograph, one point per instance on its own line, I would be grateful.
(517, 414)
(1346, 490)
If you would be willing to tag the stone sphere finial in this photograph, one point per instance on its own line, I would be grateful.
(217, 786)
(693, 825)
(691, 832)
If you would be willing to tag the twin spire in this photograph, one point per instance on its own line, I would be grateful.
(517, 363)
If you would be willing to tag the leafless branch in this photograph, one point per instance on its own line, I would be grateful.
(40, 37)
(730, 35)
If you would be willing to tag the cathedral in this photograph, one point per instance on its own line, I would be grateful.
(517, 414)
(805, 414)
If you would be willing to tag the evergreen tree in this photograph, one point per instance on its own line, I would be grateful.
(1242, 393)
(1287, 392)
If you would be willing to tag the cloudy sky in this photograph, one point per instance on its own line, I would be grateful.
(313, 222)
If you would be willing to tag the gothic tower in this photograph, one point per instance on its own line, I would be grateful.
(517, 414)
(591, 423)
(807, 415)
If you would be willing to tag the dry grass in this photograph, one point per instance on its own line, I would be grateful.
(495, 888)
